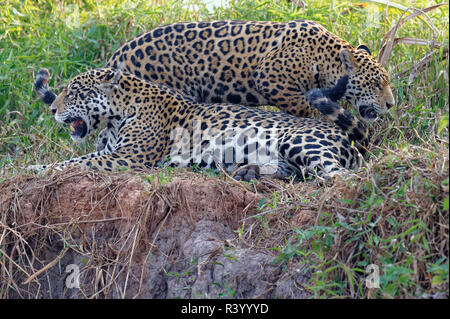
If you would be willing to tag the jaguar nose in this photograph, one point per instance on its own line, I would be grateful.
(389, 105)
(53, 110)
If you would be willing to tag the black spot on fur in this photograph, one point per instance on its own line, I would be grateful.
(233, 98)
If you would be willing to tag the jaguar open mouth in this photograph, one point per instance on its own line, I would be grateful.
(78, 128)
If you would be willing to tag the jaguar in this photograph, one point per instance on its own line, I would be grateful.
(148, 124)
(257, 63)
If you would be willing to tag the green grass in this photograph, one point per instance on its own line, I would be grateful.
(392, 207)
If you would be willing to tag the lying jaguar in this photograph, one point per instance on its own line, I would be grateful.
(257, 63)
(148, 124)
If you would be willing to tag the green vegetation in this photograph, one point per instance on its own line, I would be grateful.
(393, 213)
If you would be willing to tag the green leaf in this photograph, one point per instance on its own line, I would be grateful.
(347, 201)
(437, 280)
(443, 123)
(262, 203)
(445, 203)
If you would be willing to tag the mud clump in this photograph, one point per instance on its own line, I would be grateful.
(79, 234)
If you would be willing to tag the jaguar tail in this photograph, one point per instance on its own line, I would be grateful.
(41, 87)
(325, 100)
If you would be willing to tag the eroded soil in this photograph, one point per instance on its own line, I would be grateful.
(189, 236)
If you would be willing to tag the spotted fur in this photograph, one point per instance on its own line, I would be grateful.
(256, 63)
(141, 117)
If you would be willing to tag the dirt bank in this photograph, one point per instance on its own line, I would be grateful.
(187, 236)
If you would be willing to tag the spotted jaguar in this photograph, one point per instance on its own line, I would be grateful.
(257, 63)
(149, 124)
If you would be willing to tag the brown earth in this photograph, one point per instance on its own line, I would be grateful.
(187, 236)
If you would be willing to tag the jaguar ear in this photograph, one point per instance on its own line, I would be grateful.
(111, 81)
(365, 48)
(347, 60)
